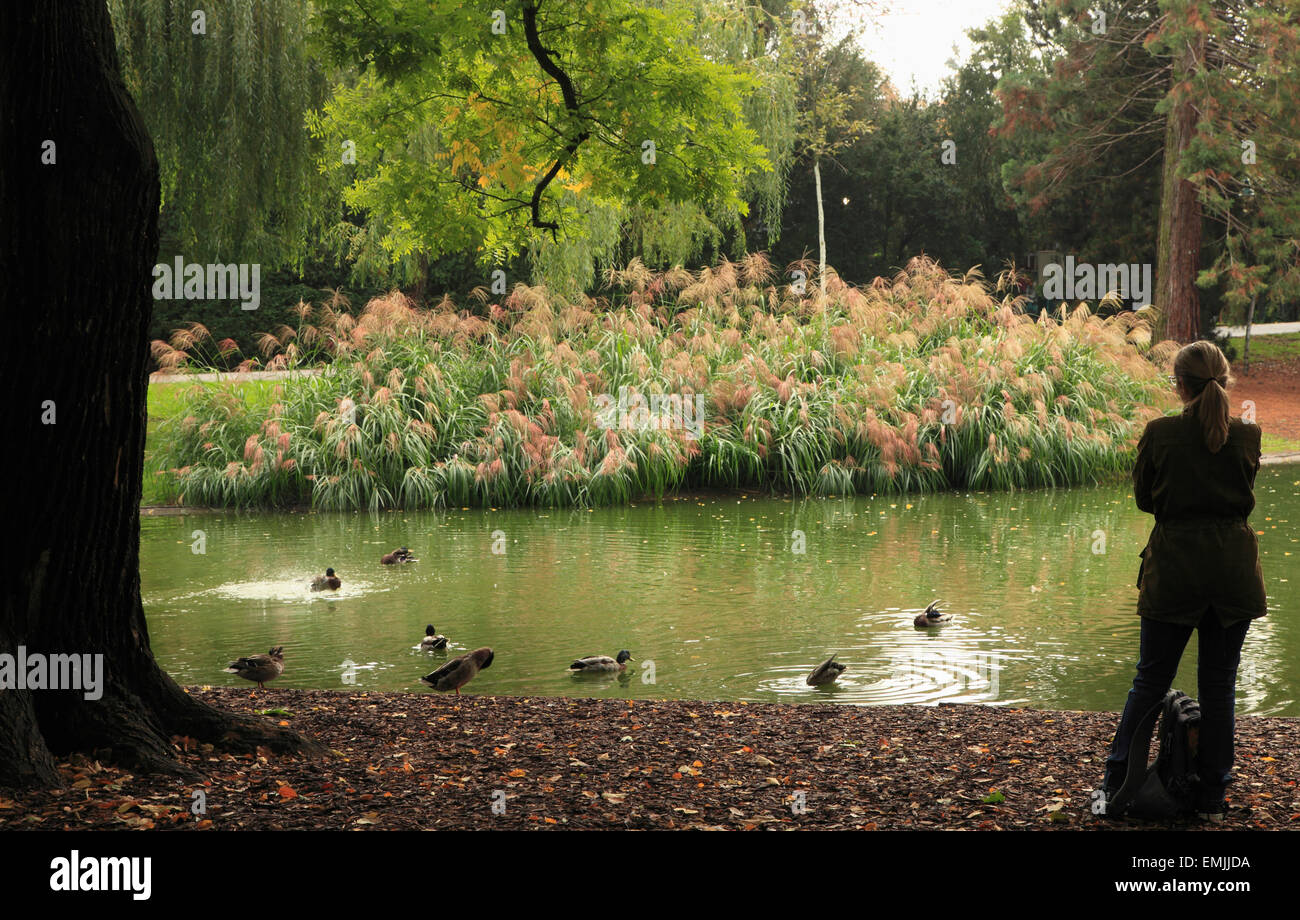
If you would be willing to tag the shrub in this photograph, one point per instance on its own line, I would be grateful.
(922, 382)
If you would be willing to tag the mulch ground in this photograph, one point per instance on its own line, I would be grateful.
(413, 761)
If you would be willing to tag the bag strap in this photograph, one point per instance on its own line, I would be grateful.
(1136, 776)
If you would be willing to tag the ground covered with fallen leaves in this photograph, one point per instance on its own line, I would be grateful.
(421, 761)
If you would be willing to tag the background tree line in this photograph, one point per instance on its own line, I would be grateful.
(392, 143)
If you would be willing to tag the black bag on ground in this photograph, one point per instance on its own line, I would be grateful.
(1164, 789)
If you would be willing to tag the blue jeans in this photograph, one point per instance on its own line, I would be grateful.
(1218, 654)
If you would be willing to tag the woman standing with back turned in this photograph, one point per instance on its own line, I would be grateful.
(1200, 569)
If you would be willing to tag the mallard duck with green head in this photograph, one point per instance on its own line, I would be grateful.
(601, 664)
(327, 582)
(432, 640)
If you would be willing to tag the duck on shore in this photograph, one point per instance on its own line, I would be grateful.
(432, 640)
(601, 664)
(327, 582)
(931, 617)
(259, 668)
(825, 673)
(459, 671)
(398, 556)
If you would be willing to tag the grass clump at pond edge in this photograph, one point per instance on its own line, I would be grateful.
(921, 383)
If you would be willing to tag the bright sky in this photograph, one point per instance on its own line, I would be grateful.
(914, 40)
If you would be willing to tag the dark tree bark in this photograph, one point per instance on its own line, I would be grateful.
(78, 239)
(1179, 241)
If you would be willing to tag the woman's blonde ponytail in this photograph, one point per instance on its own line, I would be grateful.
(1204, 373)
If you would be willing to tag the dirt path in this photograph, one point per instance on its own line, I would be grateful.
(160, 377)
(1274, 387)
(406, 761)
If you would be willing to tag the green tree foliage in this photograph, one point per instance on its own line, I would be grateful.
(827, 124)
(988, 228)
(223, 90)
(1167, 90)
(1247, 163)
(495, 134)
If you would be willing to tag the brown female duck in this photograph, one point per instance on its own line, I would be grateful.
(459, 671)
(825, 673)
(260, 668)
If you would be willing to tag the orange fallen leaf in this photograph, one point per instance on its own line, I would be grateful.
(287, 792)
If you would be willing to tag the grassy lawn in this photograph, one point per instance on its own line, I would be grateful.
(1272, 444)
(1271, 347)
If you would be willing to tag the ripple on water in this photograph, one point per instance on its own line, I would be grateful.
(897, 674)
(289, 591)
(712, 598)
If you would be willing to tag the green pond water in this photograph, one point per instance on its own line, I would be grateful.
(711, 597)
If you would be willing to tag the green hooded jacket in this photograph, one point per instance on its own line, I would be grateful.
(1202, 552)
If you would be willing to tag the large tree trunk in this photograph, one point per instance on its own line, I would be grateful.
(78, 239)
(1179, 244)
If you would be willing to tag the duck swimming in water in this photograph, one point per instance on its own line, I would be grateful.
(398, 556)
(432, 640)
(601, 663)
(825, 673)
(327, 582)
(931, 617)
